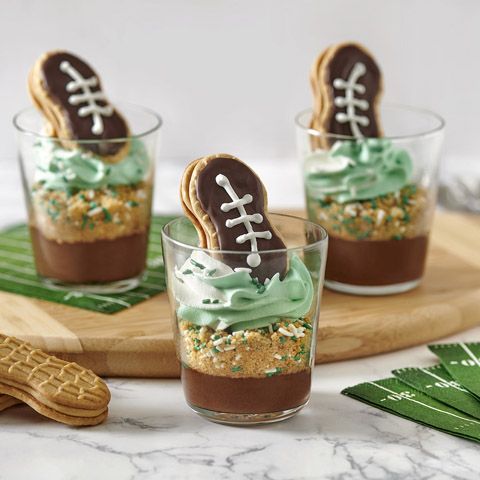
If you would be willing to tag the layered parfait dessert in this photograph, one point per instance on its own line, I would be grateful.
(245, 346)
(245, 306)
(90, 220)
(374, 194)
(88, 179)
(378, 219)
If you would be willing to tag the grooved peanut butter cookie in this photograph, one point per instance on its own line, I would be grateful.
(6, 402)
(69, 93)
(229, 205)
(187, 205)
(347, 86)
(62, 391)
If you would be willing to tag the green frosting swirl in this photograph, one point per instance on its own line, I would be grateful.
(357, 170)
(210, 293)
(59, 168)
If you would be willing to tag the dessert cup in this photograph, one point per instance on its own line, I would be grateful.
(246, 348)
(89, 219)
(375, 197)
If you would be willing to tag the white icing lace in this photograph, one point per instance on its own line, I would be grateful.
(350, 102)
(253, 260)
(87, 96)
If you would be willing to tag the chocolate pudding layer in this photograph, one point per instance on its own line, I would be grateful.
(99, 261)
(90, 236)
(262, 370)
(376, 262)
(246, 395)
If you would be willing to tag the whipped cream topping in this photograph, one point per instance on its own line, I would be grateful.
(358, 170)
(210, 293)
(59, 168)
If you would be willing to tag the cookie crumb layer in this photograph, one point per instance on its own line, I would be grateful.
(281, 348)
(402, 214)
(88, 215)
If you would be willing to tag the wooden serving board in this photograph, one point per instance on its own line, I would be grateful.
(138, 342)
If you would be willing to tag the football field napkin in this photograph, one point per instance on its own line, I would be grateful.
(17, 273)
(437, 383)
(394, 396)
(462, 360)
(445, 397)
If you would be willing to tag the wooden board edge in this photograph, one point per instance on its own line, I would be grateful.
(443, 318)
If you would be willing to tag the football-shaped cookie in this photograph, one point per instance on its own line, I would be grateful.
(69, 93)
(230, 203)
(347, 86)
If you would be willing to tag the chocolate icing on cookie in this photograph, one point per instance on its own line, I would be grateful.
(353, 84)
(234, 199)
(75, 87)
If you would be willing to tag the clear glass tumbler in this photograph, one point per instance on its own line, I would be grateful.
(375, 197)
(246, 348)
(89, 219)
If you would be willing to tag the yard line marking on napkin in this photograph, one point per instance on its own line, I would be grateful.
(31, 271)
(103, 297)
(438, 377)
(11, 242)
(23, 281)
(18, 256)
(470, 353)
(108, 299)
(151, 285)
(19, 269)
(39, 285)
(8, 235)
(13, 235)
(155, 274)
(137, 294)
(423, 404)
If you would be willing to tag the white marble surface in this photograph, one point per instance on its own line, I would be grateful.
(151, 433)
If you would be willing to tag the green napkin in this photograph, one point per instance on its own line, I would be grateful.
(17, 273)
(462, 360)
(396, 397)
(437, 383)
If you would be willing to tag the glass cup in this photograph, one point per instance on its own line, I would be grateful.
(89, 218)
(246, 348)
(375, 197)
